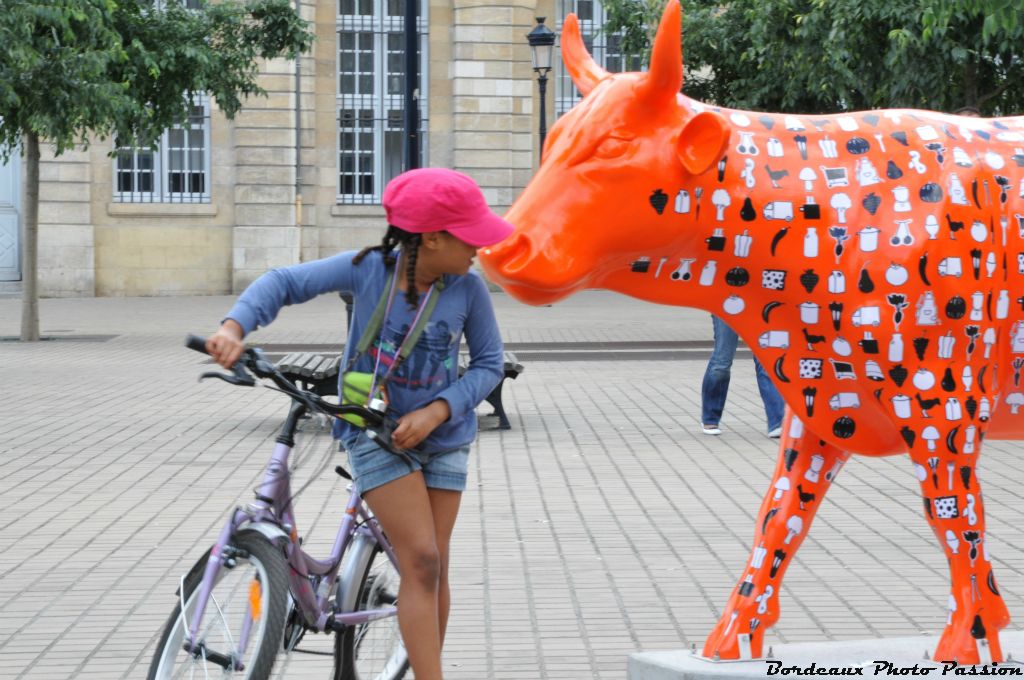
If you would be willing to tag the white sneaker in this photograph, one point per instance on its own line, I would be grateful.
(710, 429)
(775, 433)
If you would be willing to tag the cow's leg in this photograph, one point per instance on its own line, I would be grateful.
(805, 471)
(953, 505)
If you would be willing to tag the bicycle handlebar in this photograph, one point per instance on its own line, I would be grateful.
(379, 426)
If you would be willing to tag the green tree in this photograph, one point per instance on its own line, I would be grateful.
(74, 71)
(815, 56)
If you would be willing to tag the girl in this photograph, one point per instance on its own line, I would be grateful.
(437, 219)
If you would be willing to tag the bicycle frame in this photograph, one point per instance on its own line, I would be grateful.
(272, 515)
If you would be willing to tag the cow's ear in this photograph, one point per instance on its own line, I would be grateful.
(702, 142)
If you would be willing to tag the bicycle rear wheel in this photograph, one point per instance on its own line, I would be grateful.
(373, 650)
(255, 589)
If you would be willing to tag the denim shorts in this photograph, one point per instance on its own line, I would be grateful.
(372, 466)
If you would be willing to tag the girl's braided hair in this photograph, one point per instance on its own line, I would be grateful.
(410, 243)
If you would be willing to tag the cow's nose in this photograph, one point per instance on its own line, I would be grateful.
(511, 255)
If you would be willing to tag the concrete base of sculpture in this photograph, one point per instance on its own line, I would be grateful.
(894, 656)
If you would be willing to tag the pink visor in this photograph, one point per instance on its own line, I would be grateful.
(439, 199)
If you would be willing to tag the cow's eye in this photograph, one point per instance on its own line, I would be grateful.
(611, 147)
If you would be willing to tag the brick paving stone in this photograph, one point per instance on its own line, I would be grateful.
(603, 523)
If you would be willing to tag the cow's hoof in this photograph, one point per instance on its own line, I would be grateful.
(736, 641)
(970, 641)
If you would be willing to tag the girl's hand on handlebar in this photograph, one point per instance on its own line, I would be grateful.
(416, 425)
(226, 346)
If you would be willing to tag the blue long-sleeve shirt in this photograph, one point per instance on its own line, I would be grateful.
(431, 370)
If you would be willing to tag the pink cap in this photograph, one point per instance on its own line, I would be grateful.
(439, 199)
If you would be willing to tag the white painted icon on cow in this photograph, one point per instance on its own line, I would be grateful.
(961, 158)
(979, 232)
(682, 272)
(931, 225)
(741, 119)
(707, 273)
(903, 236)
(977, 300)
(809, 312)
(840, 202)
(774, 148)
(817, 462)
(661, 264)
(748, 173)
(807, 175)
(988, 338)
(828, 147)
(793, 124)
(873, 371)
(927, 313)
(867, 174)
(836, 282)
(741, 244)
(868, 239)
(779, 210)
(841, 346)
(721, 200)
(896, 274)
(867, 316)
(896, 348)
(774, 339)
(844, 400)
(811, 242)
(1003, 304)
(923, 379)
(835, 177)
(901, 195)
(953, 410)
(901, 406)
(967, 377)
(733, 305)
(843, 370)
(951, 266)
(682, 205)
(794, 525)
(957, 195)
(747, 147)
(1017, 345)
(915, 163)
(927, 133)
(994, 160)
(946, 344)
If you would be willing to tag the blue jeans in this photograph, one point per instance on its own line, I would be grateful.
(716, 381)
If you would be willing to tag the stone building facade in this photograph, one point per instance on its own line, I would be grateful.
(297, 175)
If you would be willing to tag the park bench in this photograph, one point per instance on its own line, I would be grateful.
(319, 373)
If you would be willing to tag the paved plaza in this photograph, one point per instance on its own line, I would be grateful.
(601, 524)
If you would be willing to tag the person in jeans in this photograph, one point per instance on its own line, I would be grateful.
(715, 386)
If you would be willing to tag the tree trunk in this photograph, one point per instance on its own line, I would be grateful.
(30, 245)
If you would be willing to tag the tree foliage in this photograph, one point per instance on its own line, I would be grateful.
(71, 69)
(816, 56)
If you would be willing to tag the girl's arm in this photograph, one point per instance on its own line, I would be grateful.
(486, 354)
(264, 298)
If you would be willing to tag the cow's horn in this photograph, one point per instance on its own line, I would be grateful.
(665, 76)
(582, 68)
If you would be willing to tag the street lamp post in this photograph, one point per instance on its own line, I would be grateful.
(542, 45)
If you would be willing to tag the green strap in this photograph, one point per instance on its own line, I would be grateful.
(377, 321)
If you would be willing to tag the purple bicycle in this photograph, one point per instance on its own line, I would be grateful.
(256, 592)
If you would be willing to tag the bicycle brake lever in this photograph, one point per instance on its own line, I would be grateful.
(238, 376)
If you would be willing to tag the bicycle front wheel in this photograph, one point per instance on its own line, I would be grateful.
(242, 625)
(372, 650)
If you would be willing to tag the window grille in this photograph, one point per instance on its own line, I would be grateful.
(176, 170)
(602, 46)
(370, 100)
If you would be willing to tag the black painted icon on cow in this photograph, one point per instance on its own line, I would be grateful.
(899, 303)
(737, 276)
(858, 146)
(948, 383)
(836, 311)
(779, 235)
(931, 193)
(946, 507)
(812, 340)
(811, 211)
(777, 367)
(748, 213)
(926, 405)
(909, 436)
(843, 370)
(892, 171)
(844, 427)
(809, 279)
(1004, 185)
(773, 279)
(805, 496)
(658, 200)
(920, 347)
(978, 628)
(899, 374)
(868, 344)
(721, 168)
(716, 242)
(810, 369)
(641, 266)
(871, 202)
(901, 137)
(864, 283)
(777, 559)
(956, 308)
(776, 175)
(938, 149)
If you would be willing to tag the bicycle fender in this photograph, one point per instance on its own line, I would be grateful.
(270, 531)
(360, 550)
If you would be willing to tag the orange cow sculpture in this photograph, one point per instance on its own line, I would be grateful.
(875, 260)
